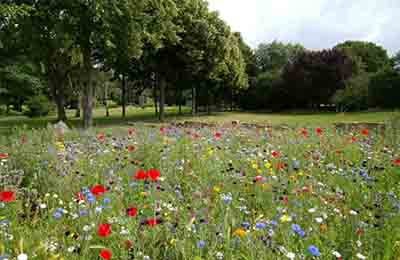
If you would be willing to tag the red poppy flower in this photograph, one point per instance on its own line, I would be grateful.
(162, 130)
(275, 154)
(217, 135)
(105, 254)
(131, 131)
(128, 244)
(280, 166)
(397, 162)
(132, 212)
(285, 200)
(104, 230)
(259, 178)
(141, 175)
(98, 190)
(131, 148)
(152, 222)
(153, 174)
(7, 196)
(80, 196)
(4, 156)
(304, 132)
(319, 131)
(365, 132)
(353, 139)
(101, 137)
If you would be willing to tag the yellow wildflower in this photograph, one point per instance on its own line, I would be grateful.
(240, 232)
(286, 218)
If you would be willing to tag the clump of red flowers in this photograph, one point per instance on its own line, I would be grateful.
(304, 132)
(131, 148)
(132, 212)
(275, 154)
(319, 131)
(152, 175)
(7, 196)
(105, 254)
(217, 135)
(396, 162)
(98, 190)
(4, 156)
(365, 132)
(104, 230)
(101, 137)
(152, 222)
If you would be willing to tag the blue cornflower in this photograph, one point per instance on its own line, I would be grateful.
(246, 225)
(58, 213)
(314, 250)
(298, 230)
(83, 212)
(274, 223)
(106, 200)
(261, 225)
(227, 198)
(91, 198)
(201, 244)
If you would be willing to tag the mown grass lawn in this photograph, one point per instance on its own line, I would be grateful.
(135, 115)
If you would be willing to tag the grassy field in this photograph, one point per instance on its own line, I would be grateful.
(147, 115)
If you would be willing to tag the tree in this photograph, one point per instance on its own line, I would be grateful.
(373, 56)
(396, 61)
(384, 89)
(276, 55)
(315, 76)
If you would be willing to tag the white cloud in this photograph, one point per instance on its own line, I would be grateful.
(316, 24)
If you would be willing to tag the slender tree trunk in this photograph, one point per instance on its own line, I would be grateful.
(123, 101)
(209, 101)
(106, 99)
(155, 99)
(162, 100)
(194, 105)
(232, 100)
(180, 100)
(57, 88)
(87, 103)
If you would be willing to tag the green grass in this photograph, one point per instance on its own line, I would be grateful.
(147, 115)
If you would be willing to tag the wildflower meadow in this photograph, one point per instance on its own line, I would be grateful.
(177, 192)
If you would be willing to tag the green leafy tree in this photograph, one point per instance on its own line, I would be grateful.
(374, 57)
(276, 55)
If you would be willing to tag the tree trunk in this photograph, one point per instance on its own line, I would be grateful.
(232, 100)
(57, 88)
(180, 100)
(209, 102)
(123, 96)
(194, 107)
(87, 99)
(155, 99)
(162, 100)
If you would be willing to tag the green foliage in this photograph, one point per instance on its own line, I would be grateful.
(275, 55)
(374, 57)
(385, 89)
(355, 95)
(38, 105)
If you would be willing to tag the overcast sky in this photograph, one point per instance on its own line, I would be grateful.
(316, 24)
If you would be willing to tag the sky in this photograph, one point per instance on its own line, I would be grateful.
(316, 24)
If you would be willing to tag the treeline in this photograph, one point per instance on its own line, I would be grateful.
(353, 75)
(79, 54)
(66, 50)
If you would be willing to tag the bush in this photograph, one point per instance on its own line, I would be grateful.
(355, 95)
(385, 89)
(38, 105)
